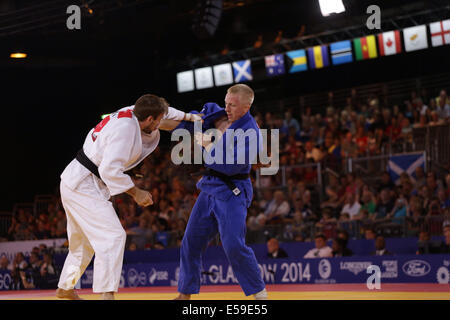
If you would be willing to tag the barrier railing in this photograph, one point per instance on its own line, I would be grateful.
(279, 181)
(395, 227)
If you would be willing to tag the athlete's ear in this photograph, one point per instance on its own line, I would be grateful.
(149, 119)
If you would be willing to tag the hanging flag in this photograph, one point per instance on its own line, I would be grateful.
(318, 57)
(341, 52)
(415, 38)
(389, 43)
(274, 64)
(203, 78)
(185, 81)
(223, 74)
(242, 71)
(440, 33)
(365, 47)
(297, 61)
(405, 163)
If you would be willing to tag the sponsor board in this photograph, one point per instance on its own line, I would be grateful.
(355, 267)
(389, 269)
(394, 269)
(416, 268)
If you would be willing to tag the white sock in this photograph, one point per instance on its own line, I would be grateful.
(262, 295)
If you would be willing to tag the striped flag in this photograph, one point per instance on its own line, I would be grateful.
(341, 52)
(440, 33)
(297, 60)
(415, 38)
(365, 47)
(318, 57)
(389, 43)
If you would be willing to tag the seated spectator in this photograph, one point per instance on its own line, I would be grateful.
(290, 122)
(425, 245)
(344, 236)
(321, 250)
(327, 224)
(369, 234)
(368, 202)
(274, 251)
(41, 231)
(384, 206)
(443, 105)
(49, 275)
(313, 152)
(399, 212)
(4, 264)
(19, 262)
(444, 199)
(445, 247)
(386, 182)
(340, 249)
(60, 222)
(277, 209)
(433, 184)
(159, 246)
(266, 199)
(140, 235)
(380, 247)
(351, 206)
(332, 201)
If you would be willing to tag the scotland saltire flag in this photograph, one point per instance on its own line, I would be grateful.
(275, 64)
(242, 71)
(405, 163)
(341, 52)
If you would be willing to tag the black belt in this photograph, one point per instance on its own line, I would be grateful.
(87, 163)
(228, 180)
(92, 167)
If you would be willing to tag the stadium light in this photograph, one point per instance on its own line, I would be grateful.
(328, 7)
(18, 55)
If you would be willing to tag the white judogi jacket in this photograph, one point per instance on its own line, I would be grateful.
(115, 145)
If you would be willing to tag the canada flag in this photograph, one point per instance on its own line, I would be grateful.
(389, 43)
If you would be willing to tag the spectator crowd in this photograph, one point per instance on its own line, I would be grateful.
(295, 210)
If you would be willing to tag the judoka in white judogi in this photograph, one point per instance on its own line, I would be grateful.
(115, 145)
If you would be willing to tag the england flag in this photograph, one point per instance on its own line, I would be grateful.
(440, 33)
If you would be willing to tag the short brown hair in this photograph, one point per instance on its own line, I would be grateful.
(150, 105)
(244, 90)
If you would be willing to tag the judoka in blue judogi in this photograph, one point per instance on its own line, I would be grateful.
(222, 205)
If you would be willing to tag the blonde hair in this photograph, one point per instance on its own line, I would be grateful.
(243, 90)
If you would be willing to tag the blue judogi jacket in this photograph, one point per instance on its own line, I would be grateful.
(214, 185)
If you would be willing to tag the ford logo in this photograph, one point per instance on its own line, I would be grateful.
(416, 268)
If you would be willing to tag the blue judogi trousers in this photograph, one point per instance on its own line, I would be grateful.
(209, 216)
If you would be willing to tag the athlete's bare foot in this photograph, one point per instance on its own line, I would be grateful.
(108, 296)
(67, 294)
(183, 296)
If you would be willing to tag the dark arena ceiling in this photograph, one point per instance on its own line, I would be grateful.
(164, 27)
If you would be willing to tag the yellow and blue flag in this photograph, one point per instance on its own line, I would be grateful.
(318, 57)
(297, 61)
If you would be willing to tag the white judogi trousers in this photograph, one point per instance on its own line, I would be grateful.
(92, 227)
